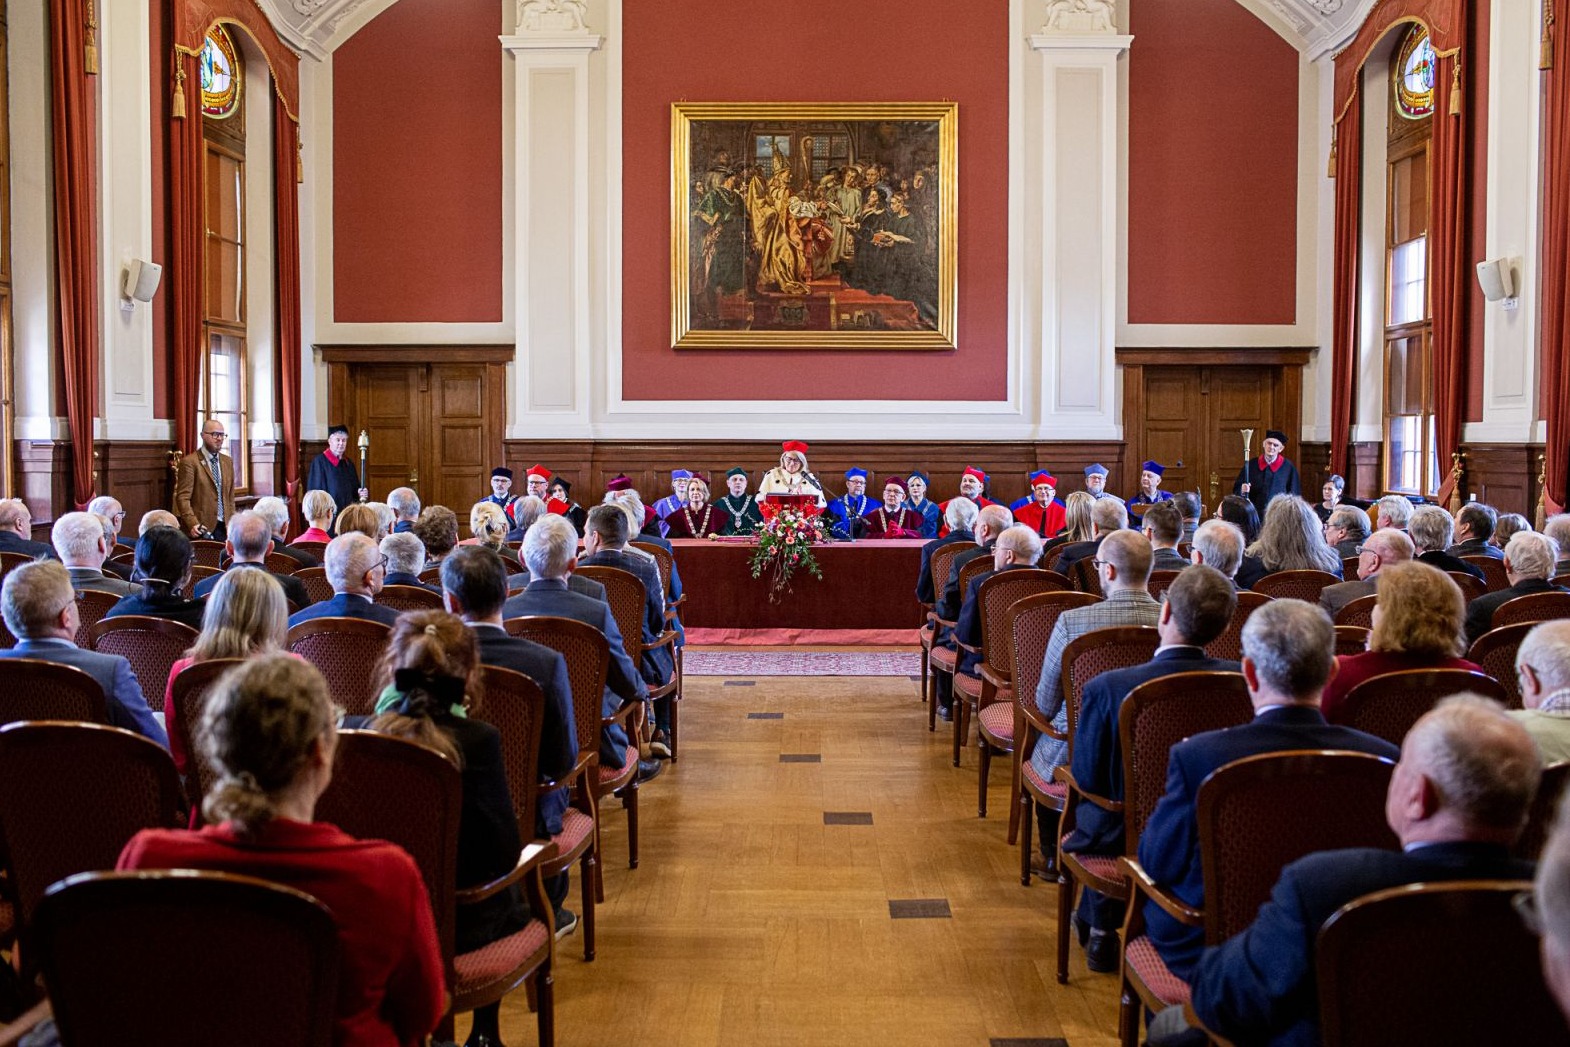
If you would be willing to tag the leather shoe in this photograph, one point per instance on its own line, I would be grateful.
(1081, 930)
(946, 713)
(648, 770)
(1102, 952)
(1046, 867)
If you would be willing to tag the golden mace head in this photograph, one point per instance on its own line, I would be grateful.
(1248, 443)
(364, 441)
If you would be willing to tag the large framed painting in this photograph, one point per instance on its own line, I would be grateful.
(814, 225)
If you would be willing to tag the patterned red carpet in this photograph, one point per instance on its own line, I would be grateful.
(801, 663)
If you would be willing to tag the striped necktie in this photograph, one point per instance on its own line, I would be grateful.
(216, 470)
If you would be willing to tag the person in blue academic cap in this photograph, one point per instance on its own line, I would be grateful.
(845, 513)
(1096, 481)
(1150, 492)
(675, 501)
(916, 485)
(331, 471)
(1269, 475)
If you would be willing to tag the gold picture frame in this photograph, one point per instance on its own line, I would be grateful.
(776, 245)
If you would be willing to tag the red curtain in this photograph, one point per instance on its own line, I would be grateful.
(74, 118)
(1344, 290)
(1555, 394)
(186, 236)
(1448, 214)
(286, 226)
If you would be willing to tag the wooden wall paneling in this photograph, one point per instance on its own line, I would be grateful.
(266, 468)
(1503, 475)
(1313, 465)
(137, 474)
(1366, 480)
(43, 468)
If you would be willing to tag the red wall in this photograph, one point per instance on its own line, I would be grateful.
(876, 50)
(417, 166)
(1212, 185)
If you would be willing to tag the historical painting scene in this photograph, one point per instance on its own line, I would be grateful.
(816, 225)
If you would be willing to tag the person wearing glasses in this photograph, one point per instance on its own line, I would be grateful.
(1383, 549)
(204, 486)
(1542, 665)
(1456, 801)
(356, 569)
(111, 509)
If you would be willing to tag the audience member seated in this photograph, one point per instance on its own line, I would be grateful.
(113, 568)
(1529, 563)
(1558, 528)
(1240, 513)
(1330, 495)
(1393, 510)
(269, 730)
(359, 518)
(156, 518)
(405, 504)
(1382, 549)
(1105, 519)
(164, 557)
(1551, 897)
(318, 508)
(1077, 525)
(1431, 531)
(39, 607)
(1198, 607)
(991, 521)
(1188, 504)
(1542, 664)
(1475, 526)
(355, 569)
(1346, 530)
(431, 680)
(1508, 525)
(489, 526)
(248, 543)
(1123, 567)
(1456, 801)
(549, 553)
(1163, 526)
(1017, 548)
(437, 528)
(1290, 539)
(80, 544)
(246, 617)
(525, 511)
(16, 530)
(276, 512)
(110, 509)
(1288, 650)
(385, 518)
(960, 518)
(1418, 616)
(405, 555)
(1219, 545)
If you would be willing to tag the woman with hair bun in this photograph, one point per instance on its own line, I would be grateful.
(269, 731)
(164, 556)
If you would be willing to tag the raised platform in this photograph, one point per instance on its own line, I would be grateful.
(867, 596)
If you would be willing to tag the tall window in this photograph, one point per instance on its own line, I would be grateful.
(223, 383)
(1410, 465)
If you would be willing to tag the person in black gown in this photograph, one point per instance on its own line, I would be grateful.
(331, 471)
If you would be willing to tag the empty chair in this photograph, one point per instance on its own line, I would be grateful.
(1387, 706)
(151, 645)
(1297, 585)
(1536, 607)
(37, 690)
(346, 650)
(409, 598)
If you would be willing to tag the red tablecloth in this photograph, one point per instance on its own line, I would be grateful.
(867, 595)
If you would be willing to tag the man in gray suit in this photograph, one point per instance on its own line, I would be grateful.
(39, 607)
(79, 541)
(1383, 548)
(582, 586)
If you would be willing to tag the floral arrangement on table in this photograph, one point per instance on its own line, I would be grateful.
(785, 544)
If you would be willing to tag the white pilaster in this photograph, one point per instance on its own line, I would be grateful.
(1079, 207)
(551, 376)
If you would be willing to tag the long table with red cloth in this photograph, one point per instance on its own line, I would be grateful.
(867, 595)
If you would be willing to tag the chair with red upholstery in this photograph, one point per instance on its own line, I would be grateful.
(386, 788)
(1470, 587)
(208, 553)
(1296, 585)
(409, 598)
(1160, 582)
(627, 598)
(1352, 639)
(151, 645)
(1359, 612)
(667, 565)
(944, 658)
(1085, 576)
(111, 946)
(1388, 705)
(347, 652)
(1349, 565)
(1495, 652)
(91, 606)
(317, 587)
(1229, 645)
(1536, 607)
(1540, 817)
(280, 563)
(1434, 963)
(316, 549)
(39, 690)
(1336, 800)
(10, 561)
(1493, 568)
(187, 700)
(942, 558)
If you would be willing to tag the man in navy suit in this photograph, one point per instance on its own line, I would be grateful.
(405, 555)
(248, 541)
(549, 550)
(39, 607)
(16, 530)
(1198, 607)
(1018, 548)
(1456, 801)
(959, 517)
(1288, 658)
(1530, 561)
(355, 569)
(605, 545)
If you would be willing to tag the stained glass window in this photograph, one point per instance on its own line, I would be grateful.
(1414, 75)
(221, 75)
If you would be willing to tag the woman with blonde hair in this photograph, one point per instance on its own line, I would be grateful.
(269, 730)
(319, 510)
(489, 525)
(1290, 539)
(1076, 508)
(1419, 620)
(792, 476)
(697, 518)
(359, 517)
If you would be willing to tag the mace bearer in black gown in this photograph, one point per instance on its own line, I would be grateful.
(331, 471)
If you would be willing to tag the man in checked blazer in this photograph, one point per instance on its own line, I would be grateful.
(203, 506)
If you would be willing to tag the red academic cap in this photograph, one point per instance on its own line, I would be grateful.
(799, 446)
(619, 483)
(896, 481)
(540, 471)
(1043, 477)
(971, 470)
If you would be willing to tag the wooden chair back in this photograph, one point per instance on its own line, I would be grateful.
(1434, 963)
(662, 559)
(72, 795)
(1358, 612)
(316, 549)
(1229, 644)
(587, 653)
(7, 641)
(1495, 652)
(347, 651)
(201, 572)
(110, 942)
(515, 706)
(942, 561)
(971, 571)
(1157, 715)
(1493, 568)
(1537, 607)
(1387, 706)
(1470, 587)
(281, 563)
(1031, 622)
(1335, 800)
(1297, 585)
(91, 606)
(1540, 817)
(1100, 651)
(409, 598)
(1086, 579)
(317, 587)
(625, 594)
(1352, 639)
(39, 690)
(189, 695)
(208, 553)
(123, 554)
(11, 561)
(995, 597)
(151, 645)
(1160, 582)
(432, 575)
(1349, 565)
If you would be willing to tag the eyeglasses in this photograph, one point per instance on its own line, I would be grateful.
(1099, 564)
(1525, 905)
(216, 432)
(382, 564)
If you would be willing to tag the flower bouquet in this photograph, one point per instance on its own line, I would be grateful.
(785, 544)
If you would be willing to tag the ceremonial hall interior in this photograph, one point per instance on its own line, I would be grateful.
(1029, 523)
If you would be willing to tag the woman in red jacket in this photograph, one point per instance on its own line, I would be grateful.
(269, 730)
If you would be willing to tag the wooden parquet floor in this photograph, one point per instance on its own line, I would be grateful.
(750, 921)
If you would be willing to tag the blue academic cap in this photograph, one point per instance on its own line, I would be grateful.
(853, 472)
(1154, 467)
(917, 474)
(1096, 470)
(681, 474)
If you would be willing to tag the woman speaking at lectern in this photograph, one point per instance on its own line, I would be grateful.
(792, 476)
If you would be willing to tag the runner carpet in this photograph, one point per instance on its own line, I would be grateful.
(801, 663)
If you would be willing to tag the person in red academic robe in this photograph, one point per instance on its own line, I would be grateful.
(972, 482)
(892, 519)
(1043, 514)
(698, 518)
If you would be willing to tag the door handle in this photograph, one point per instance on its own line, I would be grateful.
(414, 478)
(1215, 482)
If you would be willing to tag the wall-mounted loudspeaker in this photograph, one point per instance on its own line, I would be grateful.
(141, 280)
(1497, 278)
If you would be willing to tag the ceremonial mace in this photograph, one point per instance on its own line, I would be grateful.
(364, 443)
(1248, 454)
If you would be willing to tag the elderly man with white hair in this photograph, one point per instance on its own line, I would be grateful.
(405, 555)
(1393, 510)
(525, 511)
(960, 518)
(16, 529)
(250, 539)
(1432, 530)
(1542, 665)
(405, 505)
(1557, 527)
(1382, 549)
(276, 512)
(81, 545)
(111, 509)
(355, 569)
(156, 518)
(1529, 564)
(1219, 545)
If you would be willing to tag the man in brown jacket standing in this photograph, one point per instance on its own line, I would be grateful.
(204, 486)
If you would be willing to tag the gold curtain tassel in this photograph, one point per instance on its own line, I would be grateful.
(1455, 90)
(1546, 58)
(299, 156)
(90, 58)
(1331, 172)
(177, 107)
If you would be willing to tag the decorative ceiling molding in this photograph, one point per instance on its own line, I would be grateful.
(317, 27)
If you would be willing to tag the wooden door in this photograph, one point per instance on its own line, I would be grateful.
(1173, 429)
(388, 406)
(1236, 398)
(461, 451)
